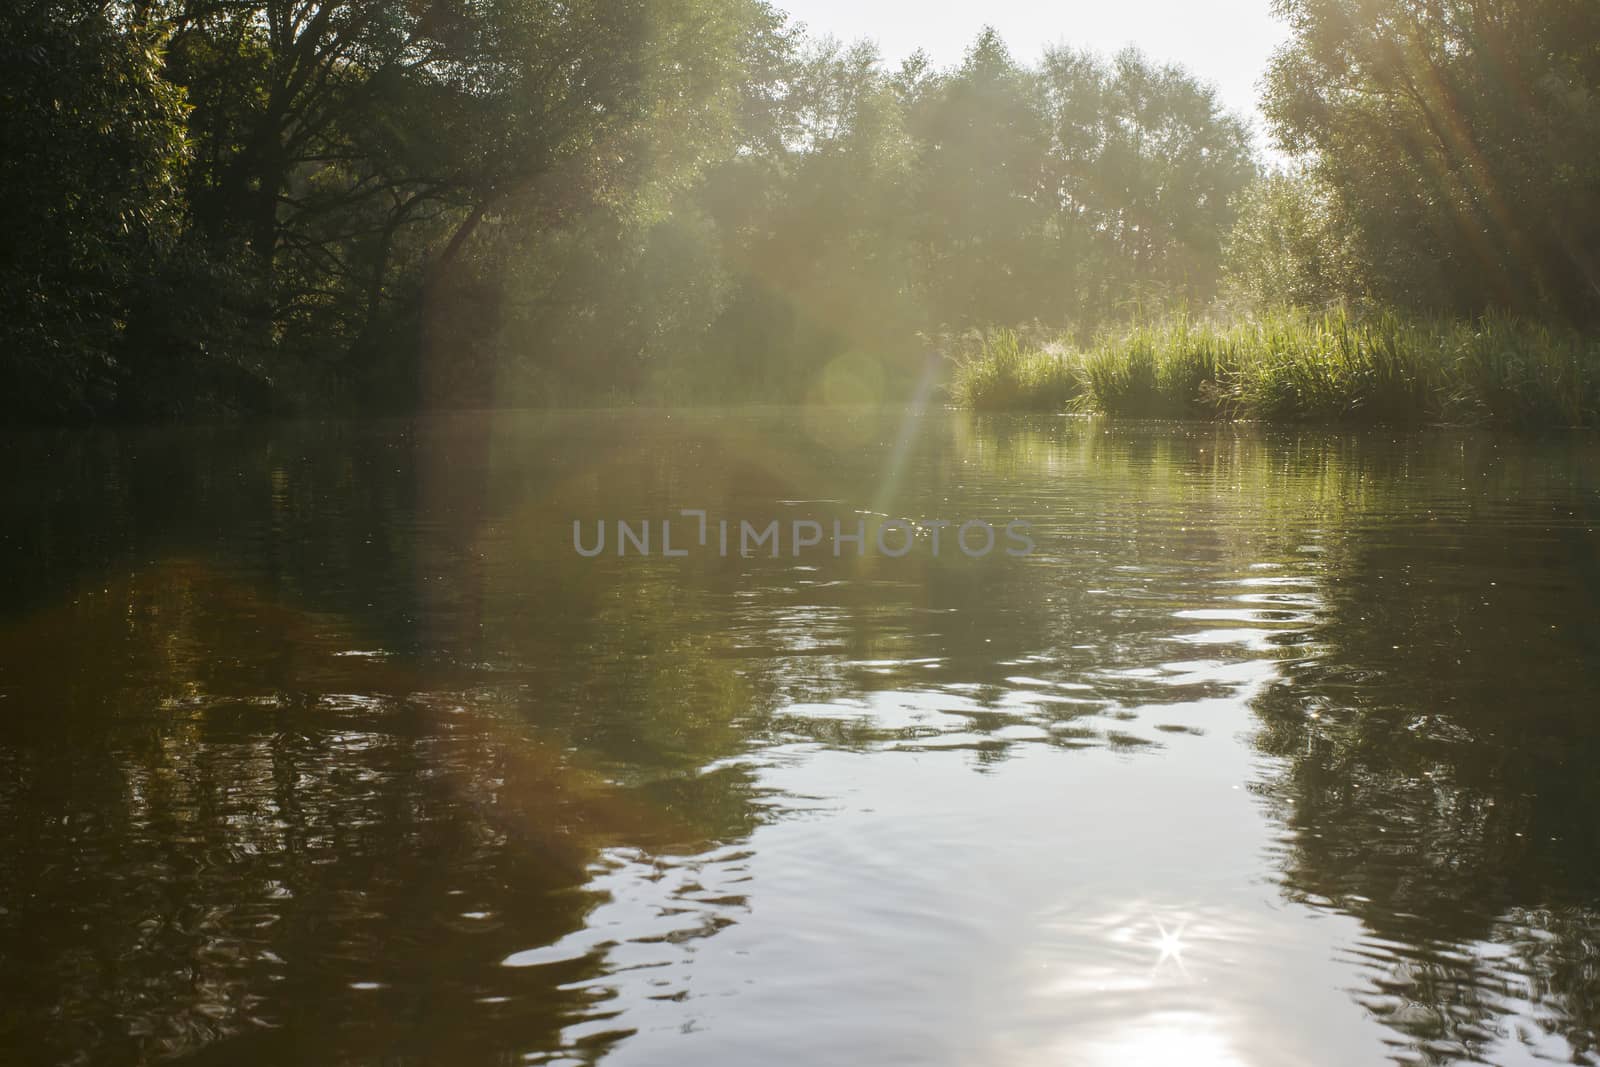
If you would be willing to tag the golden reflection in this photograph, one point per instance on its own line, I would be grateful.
(1191, 1039)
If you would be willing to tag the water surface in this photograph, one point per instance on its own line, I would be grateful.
(319, 743)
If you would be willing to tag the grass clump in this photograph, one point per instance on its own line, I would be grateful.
(1295, 366)
(1006, 375)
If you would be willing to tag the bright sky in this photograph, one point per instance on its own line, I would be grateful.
(1224, 42)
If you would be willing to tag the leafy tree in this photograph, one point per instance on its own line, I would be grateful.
(599, 288)
(348, 201)
(1146, 174)
(983, 135)
(1291, 245)
(1461, 137)
(89, 177)
(823, 245)
(608, 105)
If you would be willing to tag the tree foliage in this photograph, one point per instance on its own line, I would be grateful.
(1292, 245)
(90, 173)
(1459, 139)
(494, 201)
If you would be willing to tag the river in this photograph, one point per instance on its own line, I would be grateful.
(325, 743)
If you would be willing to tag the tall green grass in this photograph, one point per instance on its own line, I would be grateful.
(1296, 366)
(1005, 375)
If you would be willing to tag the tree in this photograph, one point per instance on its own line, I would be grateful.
(356, 148)
(94, 157)
(1146, 174)
(1461, 137)
(464, 201)
(1291, 245)
(983, 136)
(610, 104)
(821, 235)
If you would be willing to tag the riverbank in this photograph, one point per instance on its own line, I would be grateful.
(1295, 366)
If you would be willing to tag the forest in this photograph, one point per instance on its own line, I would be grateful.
(237, 207)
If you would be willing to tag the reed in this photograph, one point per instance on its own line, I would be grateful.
(1004, 374)
(1291, 365)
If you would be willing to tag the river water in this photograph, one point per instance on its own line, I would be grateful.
(322, 743)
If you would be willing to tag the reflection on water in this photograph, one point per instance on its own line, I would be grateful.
(320, 744)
